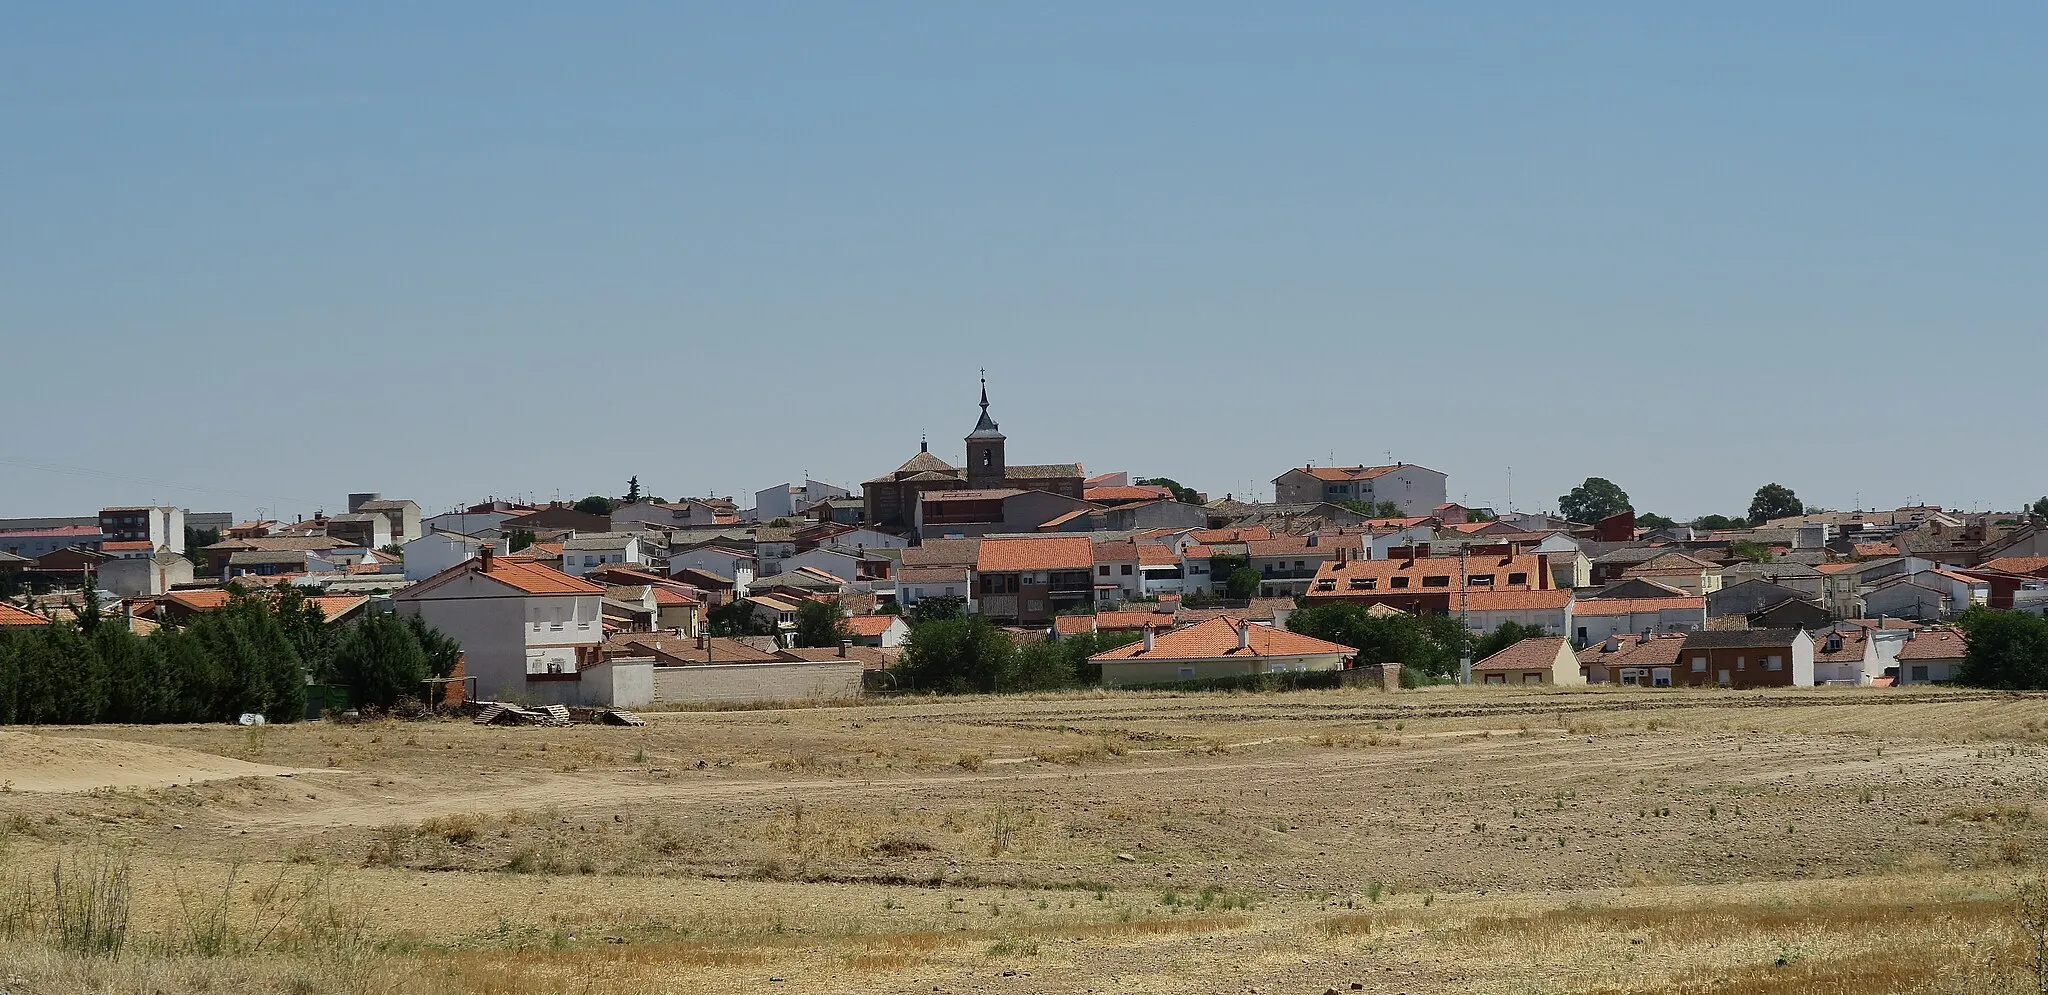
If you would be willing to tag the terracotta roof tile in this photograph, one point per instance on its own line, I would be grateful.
(2019, 564)
(1216, 639)
(1153, 554)
(1661, 651)
(870, 626)
(1935, 644)
(532, 578)
(1133, 493)
(1529, 654)
(1631, 606)
(1343, 473)
(1073, 625)
(1231, 535)
(10, 615)
(1049, 553)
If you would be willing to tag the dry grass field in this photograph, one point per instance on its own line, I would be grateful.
(1454, 840)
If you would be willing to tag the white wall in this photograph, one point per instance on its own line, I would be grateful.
(466, 524)
(1598, 627)
(434, 552)
(757, 682)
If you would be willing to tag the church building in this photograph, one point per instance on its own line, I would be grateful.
(892, 499)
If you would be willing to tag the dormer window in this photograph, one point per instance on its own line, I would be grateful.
(1479, 580)
(1441, 580)
(1400, 582)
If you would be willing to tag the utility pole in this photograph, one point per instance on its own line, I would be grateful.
(1464, 586)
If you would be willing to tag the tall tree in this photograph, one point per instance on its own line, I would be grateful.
(519, 539)
(633, 488)
(381, 661)
(819, 624)
(959, 656)
(2007, 650)
(1652, 520)
(1716, 523)
(1507, 635)
(1774, 501)
(2040, 508)
(1593, 500)
(1241, 583)
(1185, 495)
(939, 608)
(1431, 647)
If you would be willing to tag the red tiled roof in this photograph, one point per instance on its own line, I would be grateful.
(1661, 651)
(532, 578)
(1876, 549)
(870, 626)
(1835, 568)
(1231, 535)
(333, 606)
(1073, 625)
(1482, 600)
(2018, 564)
(1217, 639)
(1049, 553)
(1198, 552)
(1633, 606)
(1538, 653)
(1153, 554)
(204, 599)
(1132, 620)
(1122, 551)
(1325, 546)
(10, 615)
(139, 545)
(1384, 571)
(1935, 644)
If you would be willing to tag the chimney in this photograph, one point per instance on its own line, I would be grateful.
(1645, 640)
(1613, 645)
(1313, 540)
(1543, 571)
(845, 645)
(1148, 639)
(1244, 635)
(704, 640)
(486, 556)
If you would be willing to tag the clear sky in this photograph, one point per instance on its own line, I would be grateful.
(454, 250)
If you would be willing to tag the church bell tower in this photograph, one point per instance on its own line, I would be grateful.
(985, 465)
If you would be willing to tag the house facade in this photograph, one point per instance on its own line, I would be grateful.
(1028, 581)
(161, 527)
(522, 626)
(1746, 658)
(1541, 660)
(1596, 619)
(1416, 490)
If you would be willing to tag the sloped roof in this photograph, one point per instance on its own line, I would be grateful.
(1042, 471)
(870, 626)
(925, 462)
(1661, 651)
(1935, 644)
(524, 576)
(1217, 638)
(1537, 653)
(1631, 606)
(1730, 639)
(1344, 473)
(10, 615)
(1048, 553)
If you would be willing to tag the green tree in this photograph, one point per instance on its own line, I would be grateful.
(1507, 635)
(959, 656)
(138, 689)
(1754, 552)
(519, 539)
(633, 489)
(1372, 509)
(380, 661)
(2007, 650)
(736, 618)
(1242, 583)
(1185, 495)
(596, 505)
(2040, 508)
(819, 624)
(1774, 501)
(1593, 500)
(1654, 521)
(940, 608)
(1718, 523)
(1431, 648)
(1064, 663)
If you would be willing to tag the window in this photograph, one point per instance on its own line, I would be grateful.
(1660, 677)
(1496, 678)
(1363, 583)
(1631, 677)
(1532, 678)
(1330, 584)
(1127, 570)
(1037, 606)
(1699, 665)
(1518, 579)
(1919, 675)
(949, 592)
(1185, 673)
(1300, 565)
(1400, 582)
(1741, 663)
(988, 457)
(1102, 570)
(1441, 580)
(1773, 663)
(1479, 580)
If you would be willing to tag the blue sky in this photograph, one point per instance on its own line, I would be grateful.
(457, 250)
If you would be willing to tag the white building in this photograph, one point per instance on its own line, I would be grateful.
(1416, 490)
(732, 564)
(161, 527)
(403, 516)
(792, 500)
(482, 523)
(147, 576)
(523, 627)
(437, 551)
(914, 584)
(584, 553)
(1595, 619)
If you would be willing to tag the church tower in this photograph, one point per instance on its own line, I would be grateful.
(985, 465)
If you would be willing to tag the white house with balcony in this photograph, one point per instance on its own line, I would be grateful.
(527, 632)
(584, 553)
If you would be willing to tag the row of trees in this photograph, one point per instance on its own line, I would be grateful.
(1599, 497)
(952, 652)
(254, 654)
(2008, 650)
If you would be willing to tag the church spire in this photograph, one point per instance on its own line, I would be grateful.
(986, 427)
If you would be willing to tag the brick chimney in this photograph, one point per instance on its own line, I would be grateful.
(845, 646)
(486, 557)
